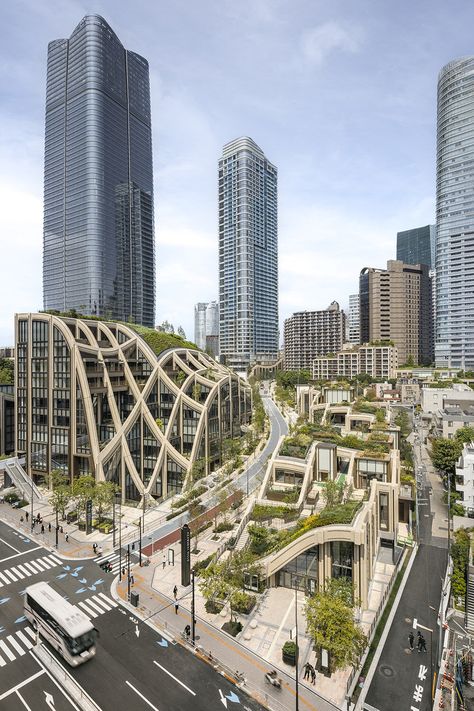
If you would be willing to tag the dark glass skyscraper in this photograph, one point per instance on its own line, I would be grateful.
(417, 246)
(99, 255)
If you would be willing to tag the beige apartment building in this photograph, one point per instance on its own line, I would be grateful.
(308, 334)
(396, 305)
(376, 361)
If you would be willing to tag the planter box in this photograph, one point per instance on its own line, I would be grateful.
(288, 658)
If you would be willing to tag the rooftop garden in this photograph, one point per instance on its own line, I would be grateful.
(297, 444)
(159, 341)
(362, 405)
(264, 540)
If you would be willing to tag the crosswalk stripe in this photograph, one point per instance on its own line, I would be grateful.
(19, 573)
(39, 563)
(108, 600)
(15, 645)
(30, 567)
(10, 574)
(53, 560)
(31, 632)
(2, 662)
(95, 606)
(45, 563)
(37, 568)
(24, 639)
(5, 580)
(7, 650)
(89, 612)
(24, 570)
(101, 602)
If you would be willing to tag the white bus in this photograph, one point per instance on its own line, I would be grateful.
(65, 626)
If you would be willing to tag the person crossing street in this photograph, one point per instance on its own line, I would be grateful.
(411, 639)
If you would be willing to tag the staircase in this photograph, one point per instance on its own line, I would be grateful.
(22, 481)
(242, 542)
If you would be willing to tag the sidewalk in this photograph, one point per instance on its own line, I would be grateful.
(226, 654)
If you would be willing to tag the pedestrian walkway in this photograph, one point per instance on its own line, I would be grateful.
(115, 560)
(16, 645)
(26, 570)
(97, 605)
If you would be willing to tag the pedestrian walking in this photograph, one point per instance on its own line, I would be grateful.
(132, 580)
(164, 560)
(313, 676)
(61, 529)
(422, 642)
(176, 605)
(411, 639)
(100, 550)
(26, 516)
(66, 538)
(187, 631)
(307, 670)
(49, 527)
(123, 572)
(42, 528)
(175, 592)
(21, 519)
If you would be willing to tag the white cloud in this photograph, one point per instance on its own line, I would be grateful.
(320, 41)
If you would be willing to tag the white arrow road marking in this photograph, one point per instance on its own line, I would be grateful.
(223, 698)
(49, 698)
(137, 631)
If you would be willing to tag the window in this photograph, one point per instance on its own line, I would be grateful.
(383, 511)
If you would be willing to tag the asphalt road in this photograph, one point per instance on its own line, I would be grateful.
(278, 427)
(403, 679)
(134, 668)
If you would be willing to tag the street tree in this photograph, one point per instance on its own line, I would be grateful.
(445, 453)
(465, 435)
(332, 493)
(330, 622)
(103, 497)
(83, 491)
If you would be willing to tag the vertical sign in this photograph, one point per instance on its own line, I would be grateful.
(88, 516)
(185, 555)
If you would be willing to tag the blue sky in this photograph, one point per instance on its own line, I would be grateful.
(340, 95)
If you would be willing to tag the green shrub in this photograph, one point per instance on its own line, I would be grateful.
(202, 564)
(221, 527)
(243, 603)
(11, 498)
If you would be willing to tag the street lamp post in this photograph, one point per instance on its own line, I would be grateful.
(32, 523)
(113, 520)
(120, 537)
(57, 526)
(193, 616)
(128, 571)
(297, 699)
(140, 543)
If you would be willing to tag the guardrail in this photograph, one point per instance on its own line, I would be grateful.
(65, 679)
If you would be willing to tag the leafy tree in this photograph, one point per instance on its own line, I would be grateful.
(260, 538)
(341, 588)
(159, 423)
(82, 491)
(465, 435)
(445, 453)
(7, 371)
(181, 332)
(166, 327)
(198, 469)
(460, 556)
(333, 493)
(213, 582)
(103, 497)
(330, 621)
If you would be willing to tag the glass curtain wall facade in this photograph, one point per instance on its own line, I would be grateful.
(417, 246)
(248, 255)
(454, 344)
(99, 254)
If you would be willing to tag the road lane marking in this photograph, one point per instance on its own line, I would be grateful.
(141, 696)
(7, 651)
(22, 700)
(104, 603)
(15, 645)
(9, 545)
(18, 572)
(175, 678)
(89, 612)
(10, 575)
(17, 555)
(108, 599)
(24, 639)
(21, 684)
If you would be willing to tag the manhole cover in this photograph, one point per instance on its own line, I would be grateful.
(408, 620)
(386, 671)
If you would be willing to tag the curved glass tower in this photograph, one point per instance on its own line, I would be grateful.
(99, 255)
(455, 216)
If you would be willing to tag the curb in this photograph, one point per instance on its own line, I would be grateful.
(385, 633)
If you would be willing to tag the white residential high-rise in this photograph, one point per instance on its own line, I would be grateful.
(353, 316)
(454, 263)
(206, 326)
(248, 255)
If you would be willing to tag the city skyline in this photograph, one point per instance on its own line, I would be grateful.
(336, 198)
